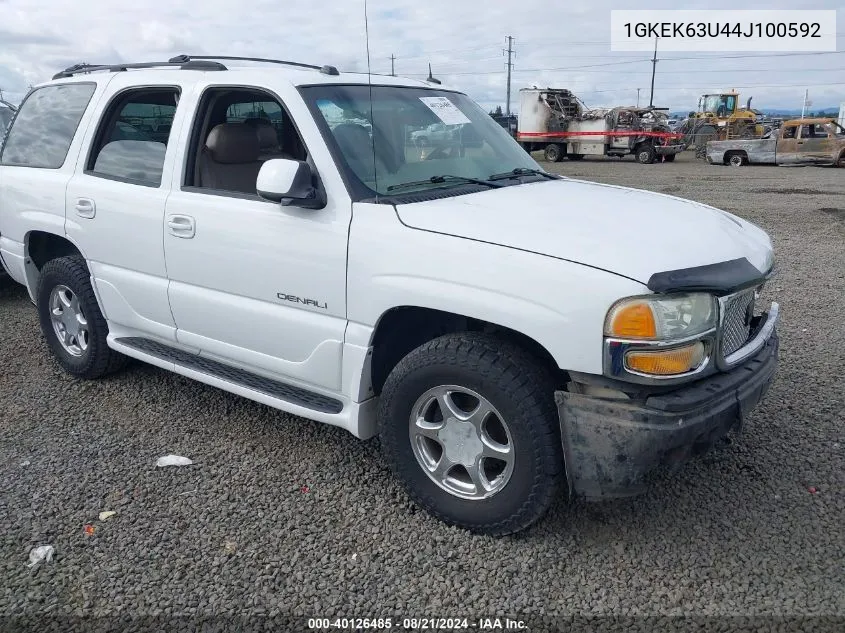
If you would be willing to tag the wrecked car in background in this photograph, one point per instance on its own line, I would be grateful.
(557, 122)
(797, 142)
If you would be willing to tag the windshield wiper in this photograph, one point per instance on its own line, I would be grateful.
(523, 171)
(436, 180)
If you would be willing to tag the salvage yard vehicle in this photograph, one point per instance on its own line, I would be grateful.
(556, 121)
(505, 345)
(797, 142)
(720, 117)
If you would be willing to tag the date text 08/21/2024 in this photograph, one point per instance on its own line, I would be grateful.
(416, 624)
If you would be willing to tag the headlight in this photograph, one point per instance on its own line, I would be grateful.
(661, 318)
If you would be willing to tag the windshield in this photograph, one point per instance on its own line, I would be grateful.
(721, 105)
(411, 137)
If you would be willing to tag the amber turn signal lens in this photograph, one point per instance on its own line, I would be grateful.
(669, 362)
(634, 320)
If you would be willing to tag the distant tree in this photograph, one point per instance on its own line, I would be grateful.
(497, 111)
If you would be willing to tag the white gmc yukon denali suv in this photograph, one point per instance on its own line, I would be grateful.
(272, 229)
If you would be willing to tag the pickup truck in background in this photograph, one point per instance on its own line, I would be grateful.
(797, 142)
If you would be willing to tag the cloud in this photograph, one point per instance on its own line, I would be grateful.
(556, 44)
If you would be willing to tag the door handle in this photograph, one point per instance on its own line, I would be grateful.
(85, 208)
(181, 226)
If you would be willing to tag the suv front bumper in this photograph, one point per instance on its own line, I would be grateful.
(610, 445)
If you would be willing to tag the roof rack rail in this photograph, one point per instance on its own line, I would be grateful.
(326, 69)
(186, 65)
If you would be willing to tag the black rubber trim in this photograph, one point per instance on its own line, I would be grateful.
(705, 391)
(722, 278)
(243, 378)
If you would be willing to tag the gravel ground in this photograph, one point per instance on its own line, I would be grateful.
(282, 516)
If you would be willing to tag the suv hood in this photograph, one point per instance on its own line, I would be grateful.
(629, 232)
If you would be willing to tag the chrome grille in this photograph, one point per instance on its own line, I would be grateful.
(736, 326)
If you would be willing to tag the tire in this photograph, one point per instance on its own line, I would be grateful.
(646, 153)
(90, 357)
(552, 153)
(700, 138)
(735, 159)
(669, 158)
(522, 397)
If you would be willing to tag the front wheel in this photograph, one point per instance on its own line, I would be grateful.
(469, 426)
(71, 320)
(553, 152)
(646, 153)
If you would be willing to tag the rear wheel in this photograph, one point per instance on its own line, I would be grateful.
(71, 320)
(553, 152)
(669, 158)
(469, 426)
(736, 159)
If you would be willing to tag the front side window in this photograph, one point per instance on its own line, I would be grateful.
(411, 139)
(45, 126)
(236, 130)
(132, 140)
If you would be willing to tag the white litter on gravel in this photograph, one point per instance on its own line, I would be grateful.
(173, 460)
(41, 553)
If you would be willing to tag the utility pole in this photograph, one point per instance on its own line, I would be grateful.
(510, 53)
(805, 104)
(638, 97)
(653, 70)
(392, 69)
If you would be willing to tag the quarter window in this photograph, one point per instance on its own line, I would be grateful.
(45, 126)
(132, 140)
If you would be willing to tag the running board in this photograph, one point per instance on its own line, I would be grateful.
(240, 377)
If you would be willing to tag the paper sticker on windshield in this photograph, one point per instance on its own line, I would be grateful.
(445, 110)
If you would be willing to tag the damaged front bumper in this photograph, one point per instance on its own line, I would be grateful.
(663, 150)
(612, 445)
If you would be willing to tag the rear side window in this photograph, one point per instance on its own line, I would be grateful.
(45, 126)
(131, 142)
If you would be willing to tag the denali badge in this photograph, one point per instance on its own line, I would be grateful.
(308, 302)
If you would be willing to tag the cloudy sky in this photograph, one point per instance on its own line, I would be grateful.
(561, 44)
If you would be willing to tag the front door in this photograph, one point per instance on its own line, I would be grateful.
(813, 145)
(253, 283)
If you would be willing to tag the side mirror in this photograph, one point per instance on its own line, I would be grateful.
(290, 182)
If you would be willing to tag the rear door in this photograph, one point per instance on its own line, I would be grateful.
(787, 148)
(116, 199)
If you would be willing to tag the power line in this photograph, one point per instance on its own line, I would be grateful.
(631, 61)
(446, 50)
